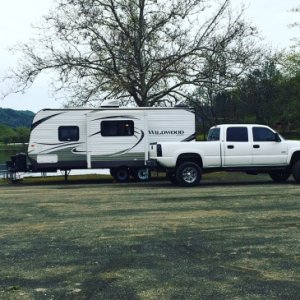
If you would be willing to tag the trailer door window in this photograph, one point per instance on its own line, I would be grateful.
(68, 133)
(117, 128)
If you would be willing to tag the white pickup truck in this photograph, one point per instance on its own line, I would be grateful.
(248, 148)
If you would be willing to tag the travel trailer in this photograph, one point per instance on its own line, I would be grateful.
(109, 137)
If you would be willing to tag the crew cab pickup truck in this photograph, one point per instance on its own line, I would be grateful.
(248, 148)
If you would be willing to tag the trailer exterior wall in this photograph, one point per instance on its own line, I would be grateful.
(93, 150)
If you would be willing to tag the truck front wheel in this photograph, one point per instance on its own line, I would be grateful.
(280, 175)
(296, 171)
(188, 174)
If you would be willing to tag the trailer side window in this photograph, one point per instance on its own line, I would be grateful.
(117, 128)
(237, 134)
(68, 133)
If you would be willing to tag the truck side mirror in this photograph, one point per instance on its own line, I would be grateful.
(277, 138)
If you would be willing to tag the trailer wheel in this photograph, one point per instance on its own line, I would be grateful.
(296, 171)
(112, 172)
(121, 174)
(280, 175)
(142, 174)
(188, 174)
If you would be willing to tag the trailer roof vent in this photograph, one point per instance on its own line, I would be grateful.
(181, 103)
(110, 103)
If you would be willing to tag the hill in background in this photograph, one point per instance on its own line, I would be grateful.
(16, 118)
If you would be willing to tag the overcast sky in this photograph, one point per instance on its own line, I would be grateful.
(272, 18)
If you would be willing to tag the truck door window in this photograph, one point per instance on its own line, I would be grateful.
(214, 134)
(237, 134)
(117, 128)
(261, 134)
(68, 133)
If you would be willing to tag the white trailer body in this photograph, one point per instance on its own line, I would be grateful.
(65, 139)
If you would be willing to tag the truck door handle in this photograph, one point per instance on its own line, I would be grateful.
(230, 146)
(256, 146)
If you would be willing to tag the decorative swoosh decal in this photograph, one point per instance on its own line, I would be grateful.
(39, 122)
(95, 133)
(127, 150)
(114, 117)
(50, 144)
(61, 147)
(57, 145)
(74, 150)
(190, 138)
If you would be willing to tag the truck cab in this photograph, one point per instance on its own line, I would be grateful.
(251, 145)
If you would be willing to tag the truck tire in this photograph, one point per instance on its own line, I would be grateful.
(121, 174)
(188, 174)
(142, 174)
(296, 171)
(172, 177)
(280, 175)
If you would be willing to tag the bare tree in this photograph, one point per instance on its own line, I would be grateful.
(295, 10)
(151, 52)
(296, 25)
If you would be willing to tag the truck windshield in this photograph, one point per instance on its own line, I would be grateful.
(213, 134)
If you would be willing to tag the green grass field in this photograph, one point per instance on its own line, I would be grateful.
(221, 240)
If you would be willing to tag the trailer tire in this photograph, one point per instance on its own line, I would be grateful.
(121, 174)
(296, 171)
(142, 174)
(112, 172)
(188, 174)
(280, 175)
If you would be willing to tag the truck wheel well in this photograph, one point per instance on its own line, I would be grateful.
(189, 157)
(295, 157)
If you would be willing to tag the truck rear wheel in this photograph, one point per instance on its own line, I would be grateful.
(188, 174)
(280, 175)
(296, 171)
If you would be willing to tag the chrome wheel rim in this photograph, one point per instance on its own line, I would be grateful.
(189, 175)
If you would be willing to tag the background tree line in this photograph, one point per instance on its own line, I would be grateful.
(9, 135)
(14, 126)
(268, 94)
(157, 53)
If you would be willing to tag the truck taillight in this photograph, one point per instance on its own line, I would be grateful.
(159, 150)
